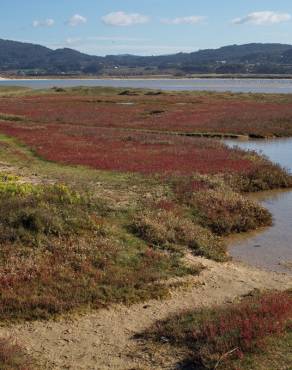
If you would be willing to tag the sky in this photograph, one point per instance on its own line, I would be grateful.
(145, 27)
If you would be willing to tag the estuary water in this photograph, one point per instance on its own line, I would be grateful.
(269, 248)
(244, 85)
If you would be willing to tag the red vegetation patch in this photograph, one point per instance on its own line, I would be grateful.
(229, 331)
(118, 150)
(246, 325)
(94, 130)
(173, 113)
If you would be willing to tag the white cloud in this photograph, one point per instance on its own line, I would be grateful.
(263, 18)
(193, 19)
(43, 23)
(124, 19)
(77, 20)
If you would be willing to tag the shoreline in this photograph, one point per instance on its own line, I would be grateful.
(150, 78)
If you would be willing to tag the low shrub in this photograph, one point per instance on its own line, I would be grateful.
(265, 176)
(213, 337)
(226, 212)
(32, 215)
(166, 230)
(184, 187)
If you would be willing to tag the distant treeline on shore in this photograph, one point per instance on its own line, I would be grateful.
(19, 59)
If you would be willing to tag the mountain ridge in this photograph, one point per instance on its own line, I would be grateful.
(254, 58)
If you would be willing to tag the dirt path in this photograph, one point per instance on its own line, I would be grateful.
(104, 339)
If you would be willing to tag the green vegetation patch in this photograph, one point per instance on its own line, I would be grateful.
(61, 250)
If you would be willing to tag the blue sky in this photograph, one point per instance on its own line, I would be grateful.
(145, 27)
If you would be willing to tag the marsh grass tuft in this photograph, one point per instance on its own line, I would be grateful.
(228, 212)
(166, 230)
(222, 336)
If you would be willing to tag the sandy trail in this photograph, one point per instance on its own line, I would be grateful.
(104, 339)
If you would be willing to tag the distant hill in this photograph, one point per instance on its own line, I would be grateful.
(29, 59)
(25, 57)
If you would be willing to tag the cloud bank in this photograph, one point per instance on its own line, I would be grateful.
(193, 19)
(263, 18)
(77, 20)
(124, 19)
(43, 23)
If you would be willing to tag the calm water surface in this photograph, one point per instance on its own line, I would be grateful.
(234, 85)
(270, 248)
